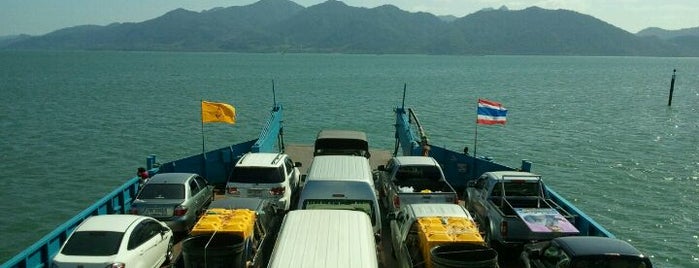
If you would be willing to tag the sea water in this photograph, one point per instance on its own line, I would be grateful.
(76, 125)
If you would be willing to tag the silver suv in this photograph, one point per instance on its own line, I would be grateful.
(270, 176)
(176, 199)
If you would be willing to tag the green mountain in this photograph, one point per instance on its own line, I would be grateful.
(176, 30)
(668, 34)
(333, 26)
(684, 40)
(540, 31)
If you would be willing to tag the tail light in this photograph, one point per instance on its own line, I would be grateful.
(503, 229)
(396, 202)
(233, 190)
(117, 265)
(133, 211)
(180, 211)
(277, 191)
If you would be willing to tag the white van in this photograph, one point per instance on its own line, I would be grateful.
(325, 238)
(341, 168)
(341, 182)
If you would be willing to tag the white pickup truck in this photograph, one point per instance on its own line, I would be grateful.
(413, 180)
(438, 235)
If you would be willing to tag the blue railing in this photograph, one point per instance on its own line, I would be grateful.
(214, 165)
(271, 132)
(40, 253)
(460, 168)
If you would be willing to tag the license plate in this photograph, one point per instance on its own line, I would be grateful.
(255, 192)
(155, 212)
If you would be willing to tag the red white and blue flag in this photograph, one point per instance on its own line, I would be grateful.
(491, 113)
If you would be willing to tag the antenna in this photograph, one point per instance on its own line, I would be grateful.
(404, 88)
(274, 95)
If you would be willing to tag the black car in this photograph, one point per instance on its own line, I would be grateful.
(583, 252)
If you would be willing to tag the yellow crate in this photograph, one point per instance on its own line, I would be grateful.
(232, 221)
(435, 231)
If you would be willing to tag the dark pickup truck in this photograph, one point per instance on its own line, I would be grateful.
(512, 209)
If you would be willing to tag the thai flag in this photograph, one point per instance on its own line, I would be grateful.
(490, 113)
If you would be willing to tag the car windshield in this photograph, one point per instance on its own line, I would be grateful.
(358, 205)
(162, 191)
(93, 243)
(257, 175)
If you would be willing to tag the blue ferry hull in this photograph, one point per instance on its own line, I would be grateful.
(216, 165)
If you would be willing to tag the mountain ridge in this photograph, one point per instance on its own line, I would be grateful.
(333, 26)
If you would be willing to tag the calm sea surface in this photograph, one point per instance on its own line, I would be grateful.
(75, 125)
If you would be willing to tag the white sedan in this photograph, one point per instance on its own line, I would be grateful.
(117, 241)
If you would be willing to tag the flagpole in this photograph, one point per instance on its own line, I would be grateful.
(475, 141)
(203, 149)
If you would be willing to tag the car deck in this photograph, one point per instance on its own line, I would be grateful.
(304, 154)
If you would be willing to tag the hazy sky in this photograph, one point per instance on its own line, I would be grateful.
(37, 17)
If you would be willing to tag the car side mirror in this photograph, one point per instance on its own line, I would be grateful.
(382, 167)
(391, 216)
(297, 164)
(303, 177)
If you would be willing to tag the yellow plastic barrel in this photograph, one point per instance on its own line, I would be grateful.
(437, 231)
(231, 221)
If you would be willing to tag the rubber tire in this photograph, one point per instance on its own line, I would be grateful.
(169, 254)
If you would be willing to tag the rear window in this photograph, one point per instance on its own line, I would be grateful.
(162, 191)
(257, 175)
(341, 147)
(418, 173)
(93, 243)
(517, 188)
(345, 204)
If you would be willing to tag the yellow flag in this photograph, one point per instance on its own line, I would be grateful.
(217, 112)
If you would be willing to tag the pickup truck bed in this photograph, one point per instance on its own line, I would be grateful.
(421, 185)
(507, 207)
(438, 235)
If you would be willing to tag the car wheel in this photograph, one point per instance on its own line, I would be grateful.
(487, 235)
(169, 253)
